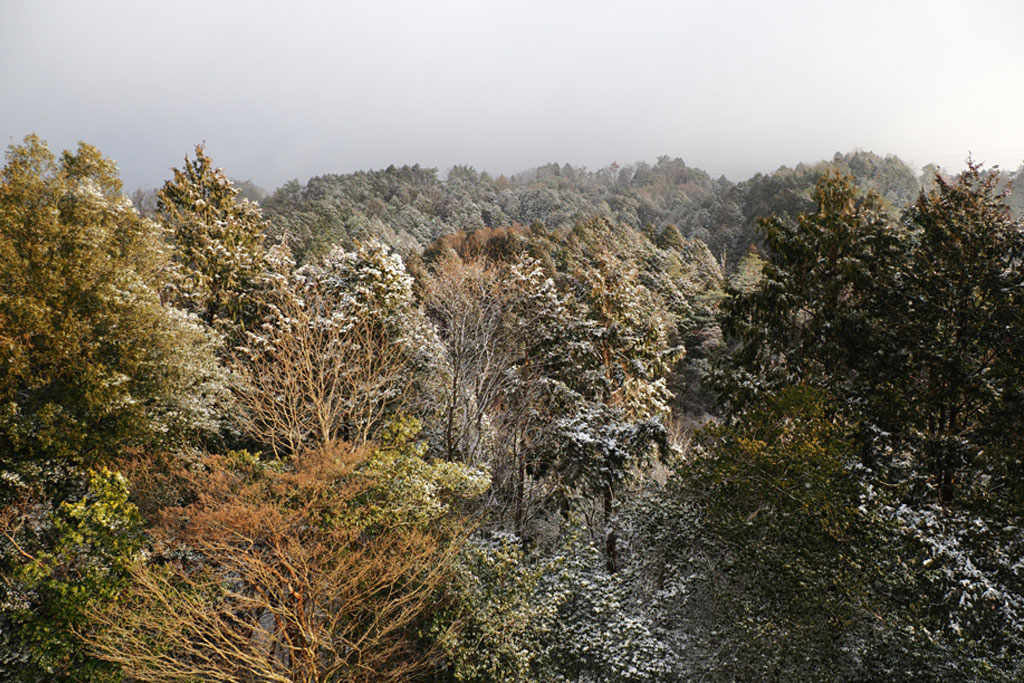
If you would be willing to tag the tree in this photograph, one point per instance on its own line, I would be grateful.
(326, 569)
(560, 395)
(562, 618)
(506, 332)
(957, 318)
(631, 337)
(915, 328)
(806, 318)
(92, 362)
(93, 367)
(617, 426)
(62, 561)
(218, 244)
(748, 271)
(337, 356)
(470, 305)
(313, 378)
(758, 557)
(917, 325)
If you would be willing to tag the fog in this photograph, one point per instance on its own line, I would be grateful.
(289, 91)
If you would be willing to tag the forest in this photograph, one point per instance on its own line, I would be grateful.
(635, 424)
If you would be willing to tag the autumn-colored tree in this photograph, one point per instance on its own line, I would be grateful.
(322, 570)
(470, 304)
(513, 345)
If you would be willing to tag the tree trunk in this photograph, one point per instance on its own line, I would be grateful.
(611, 540)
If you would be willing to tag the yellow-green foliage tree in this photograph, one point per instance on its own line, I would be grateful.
(61, 561)
(92, 367)
(91, 362)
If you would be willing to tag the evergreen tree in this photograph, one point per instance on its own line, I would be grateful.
(218, 245)
(916, 328)
(92, 362)
(621, 396)
(954, 321)
(916, 325)
(806, 319)
(93, 367)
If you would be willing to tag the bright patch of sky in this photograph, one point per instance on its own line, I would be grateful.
(289, 90)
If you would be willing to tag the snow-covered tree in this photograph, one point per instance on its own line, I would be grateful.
(93, 363)
(562, 618)
(93, 367)
(917, 325)
(343, 348)
(218, 245)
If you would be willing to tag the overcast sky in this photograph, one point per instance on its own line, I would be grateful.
(289, 90)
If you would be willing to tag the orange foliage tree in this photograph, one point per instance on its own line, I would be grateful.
(276, 573)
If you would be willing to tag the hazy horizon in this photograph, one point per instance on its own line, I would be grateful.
(733, 88)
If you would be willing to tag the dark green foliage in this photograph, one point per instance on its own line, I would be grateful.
(755, 549)
(562, 618)
(772, 548)
(806, 318)
(957, 316)
(916, 324)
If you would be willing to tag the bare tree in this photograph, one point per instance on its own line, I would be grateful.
(470, 304)
(320, 372)
(499, 325)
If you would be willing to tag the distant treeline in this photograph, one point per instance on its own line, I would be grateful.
(410, 206)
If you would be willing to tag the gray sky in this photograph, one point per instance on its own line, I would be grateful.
(281, 90)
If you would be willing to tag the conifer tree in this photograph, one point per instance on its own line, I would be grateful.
(916, 324)
(93, 367)
(218, 245)
(956, 318)
(806, 319)
(92, 362)
(620, 389)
